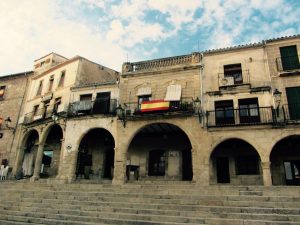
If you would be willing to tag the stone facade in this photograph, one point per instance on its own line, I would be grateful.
(13, 90)
(220, 116)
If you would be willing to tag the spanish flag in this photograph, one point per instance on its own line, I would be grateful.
(155, 105)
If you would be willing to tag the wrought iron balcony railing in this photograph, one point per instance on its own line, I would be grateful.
(240, 117)
(234, 78)
(133, 109)
(288, 63)
(98, 106)
(39, 115)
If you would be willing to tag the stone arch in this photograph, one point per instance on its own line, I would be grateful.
(25, 161)
(285, 161)
(235, 161)
(95, 156)
(169, 140)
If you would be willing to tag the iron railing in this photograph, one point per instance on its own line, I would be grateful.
(98, 106)
(40, 114)
(240, 117)
(234, 78)
(184, 106)
(288, 63)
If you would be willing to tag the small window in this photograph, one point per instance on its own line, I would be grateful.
(247, 165)
(2, 91)
(57, 102)
(51, 80)
(224, 112)
(86, 97)
(39, 91)
(43, 64)
(35, 110)
(62, 79)
(235, 71)
(143, 98)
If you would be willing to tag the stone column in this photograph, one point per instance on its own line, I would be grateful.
(120, 168)
(18, 163)
(200, 169)
(38, 163)
(266, 170)
(60, 173)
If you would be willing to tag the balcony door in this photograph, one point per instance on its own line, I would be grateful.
(102, 103)
(235, 71)
(289, 58)
(293, 97)
(249, 110)
(224, 112)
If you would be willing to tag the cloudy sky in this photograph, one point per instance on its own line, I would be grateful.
(110, 32)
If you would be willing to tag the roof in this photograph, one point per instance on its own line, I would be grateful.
(50, 54)
(15, 75)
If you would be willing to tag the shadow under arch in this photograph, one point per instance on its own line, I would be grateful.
(285, 161)
(27, 154)
(235, 161)
(96, 153)
(159, 151)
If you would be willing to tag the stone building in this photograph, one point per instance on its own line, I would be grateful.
(12, 93)
(56, 93)
(214, 117)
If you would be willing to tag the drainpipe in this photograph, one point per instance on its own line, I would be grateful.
(201, 87)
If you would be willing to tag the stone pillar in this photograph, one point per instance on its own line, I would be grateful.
(120, 168)
(266, 171)
(38, 163)
(200, 169)
(19, 160)
(60, 173)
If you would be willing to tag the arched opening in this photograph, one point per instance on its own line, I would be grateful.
(235, 161)
(96, 155)
(30, 152)
(159, 151)
(52, 152)
(285, 161)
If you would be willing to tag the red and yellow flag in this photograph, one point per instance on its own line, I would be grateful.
(155, 105)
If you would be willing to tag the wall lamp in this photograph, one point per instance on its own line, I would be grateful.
(277, 97)
(197, 107)
(121, 115)
(8, 124)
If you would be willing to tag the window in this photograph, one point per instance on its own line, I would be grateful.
(289, 58)
(246, 165)
(224, 112)
(39, 91)
(235, 71)
(293, 98)
(62, 79)
(43, 64)
(51, 80)
(2, 91)
(143, 98)
(249, 110)
(57, 102)
(35, 110)
(86, 97)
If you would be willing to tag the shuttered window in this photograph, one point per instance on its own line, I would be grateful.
(289, 58)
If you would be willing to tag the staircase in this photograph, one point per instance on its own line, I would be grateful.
(147, 203)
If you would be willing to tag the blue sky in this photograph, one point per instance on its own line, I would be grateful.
(110, 32)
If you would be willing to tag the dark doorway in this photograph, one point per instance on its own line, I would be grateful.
(109, 164)
(157, 163)
(292, 172)
(102, 103)
(222, 170)
(187, 167)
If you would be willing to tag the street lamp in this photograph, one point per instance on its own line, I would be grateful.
(121, 115)
(197, 106)
(277, 99)
(8, 124)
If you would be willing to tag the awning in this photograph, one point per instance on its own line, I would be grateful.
(173, 93)
(155, 105)
(144, 91)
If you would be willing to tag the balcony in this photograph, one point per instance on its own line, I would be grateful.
(288, 64)
(98, 106)
(38, 116)
(240, 117)
(237, 78)
(158, 108)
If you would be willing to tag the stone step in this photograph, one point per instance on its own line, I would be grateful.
(109, 218)
(233, 213)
